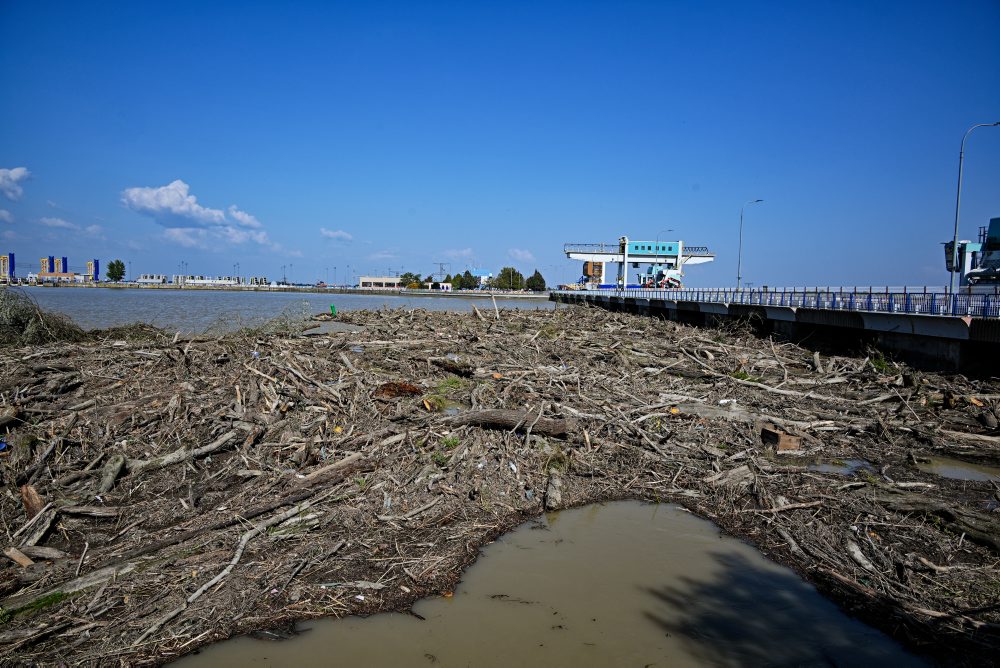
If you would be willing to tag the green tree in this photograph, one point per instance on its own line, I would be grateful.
(408, 279)
(447, 279)
(535, 282)
(116, 270)
(429, 278)
(509, 278)
(469, 282)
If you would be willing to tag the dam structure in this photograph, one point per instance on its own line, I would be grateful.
(933, 327)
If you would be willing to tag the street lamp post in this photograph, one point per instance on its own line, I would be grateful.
(739, 256)
(958, 201)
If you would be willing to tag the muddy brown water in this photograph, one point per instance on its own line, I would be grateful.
(959, 470)
(221, 310)
(618, 584)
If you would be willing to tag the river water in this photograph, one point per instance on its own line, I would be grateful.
(198, 310)
(621, 584)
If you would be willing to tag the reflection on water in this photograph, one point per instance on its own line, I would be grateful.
(623, 584)
(958, 469)
(842, 466)
(197, 310)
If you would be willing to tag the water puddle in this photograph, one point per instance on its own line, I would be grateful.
(842, 466)
(623, 584)
(956, 469)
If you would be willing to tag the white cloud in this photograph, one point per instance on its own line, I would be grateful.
(383, 255)
(93, 230)
(459, 253)
(521, 254)
(57, 222)
(10, 182)
(190, 224)
(8, 235)
(339, 235)
(243, 218)
(172, 206)
(6, 216)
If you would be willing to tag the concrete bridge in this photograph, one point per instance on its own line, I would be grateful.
(930, 328)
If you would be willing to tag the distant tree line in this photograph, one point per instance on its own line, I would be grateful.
(509, 278)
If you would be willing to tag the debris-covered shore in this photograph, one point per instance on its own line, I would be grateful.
(161, 493)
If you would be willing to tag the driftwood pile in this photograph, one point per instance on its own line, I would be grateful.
(161, 493)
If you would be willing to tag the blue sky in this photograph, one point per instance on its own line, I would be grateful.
(384, 135)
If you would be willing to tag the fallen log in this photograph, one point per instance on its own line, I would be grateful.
(179, 455)
(513, 421)
(979, 527)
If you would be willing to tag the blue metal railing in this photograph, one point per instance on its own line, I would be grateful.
(917, 301)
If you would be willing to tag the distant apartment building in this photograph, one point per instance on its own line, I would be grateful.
(55, 269)
(152, 279)
(7, 274)
(218, 281)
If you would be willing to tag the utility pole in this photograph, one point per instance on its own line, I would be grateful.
(739, 255)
